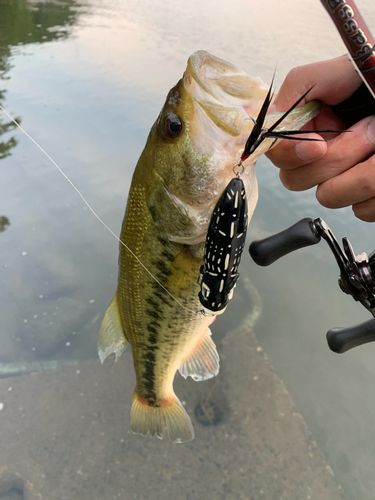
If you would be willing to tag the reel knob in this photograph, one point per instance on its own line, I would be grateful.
(266, 251)
(341, 340)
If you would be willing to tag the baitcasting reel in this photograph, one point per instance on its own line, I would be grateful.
(357, 273)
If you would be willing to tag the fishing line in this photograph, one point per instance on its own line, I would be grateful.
(95, 214)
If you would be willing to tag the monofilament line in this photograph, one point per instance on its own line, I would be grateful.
(93, 211)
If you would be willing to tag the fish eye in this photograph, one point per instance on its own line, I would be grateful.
(172, 126)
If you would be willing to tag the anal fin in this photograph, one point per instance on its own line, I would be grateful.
(203, 362)
(111, 338)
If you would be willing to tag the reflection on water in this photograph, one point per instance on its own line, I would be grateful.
(4, 223)
(25, 23)
(88, 81)
(10, 143)
(7, 146)
(22, 23)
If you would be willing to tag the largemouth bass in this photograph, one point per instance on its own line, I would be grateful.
(186, 164)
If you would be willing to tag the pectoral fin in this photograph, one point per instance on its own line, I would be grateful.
(111, 338)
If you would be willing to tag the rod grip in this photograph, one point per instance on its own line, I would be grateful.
(356, 107)
(266, 251)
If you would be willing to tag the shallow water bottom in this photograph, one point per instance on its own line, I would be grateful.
(68, 436)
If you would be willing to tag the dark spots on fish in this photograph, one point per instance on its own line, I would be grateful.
(157, 300)
(152, 339)
(153, 403)
(153, 303)
(163, 241)
(149, 364)
(154, 213)
(161, 296)
(154, 314)
(152, 328)
(162, 267)
(167, 255)
(153, 347)
(148, 377)
(150, 347)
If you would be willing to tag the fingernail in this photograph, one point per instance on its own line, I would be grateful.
(309, 151)
(370, 131)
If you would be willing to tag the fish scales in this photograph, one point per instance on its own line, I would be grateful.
(156, 326)
(185, 166)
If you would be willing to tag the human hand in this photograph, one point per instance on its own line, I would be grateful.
(342, 167)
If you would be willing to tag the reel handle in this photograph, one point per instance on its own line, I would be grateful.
(341, 340)
(356, 274)
(302, 234)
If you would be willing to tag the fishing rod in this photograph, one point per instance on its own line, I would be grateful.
(357, 273)
(356, 37)
(360, 45)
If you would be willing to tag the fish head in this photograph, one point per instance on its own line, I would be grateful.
(197, 139)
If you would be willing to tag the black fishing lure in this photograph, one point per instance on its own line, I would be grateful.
(224, 245)
(227, 230)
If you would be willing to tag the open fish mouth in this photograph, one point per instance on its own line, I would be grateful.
(232, 100)
(228, 95)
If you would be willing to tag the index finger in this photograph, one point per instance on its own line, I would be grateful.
(333, 81)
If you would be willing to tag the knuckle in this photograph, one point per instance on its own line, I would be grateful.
(340, 154)
(324, 196)
(361, 214)
(281, 156)
(366, 179)
(290, 77)
(367, 189)
(365, 210)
